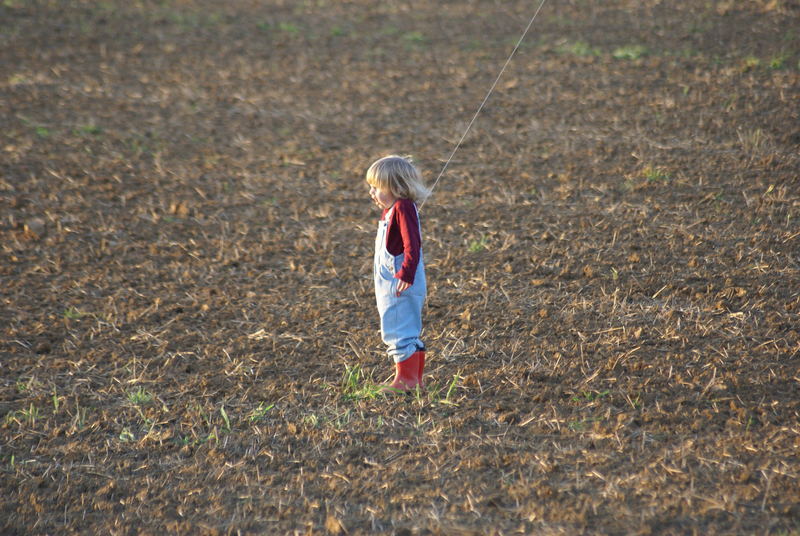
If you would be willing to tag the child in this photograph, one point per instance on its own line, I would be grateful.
(399, 271)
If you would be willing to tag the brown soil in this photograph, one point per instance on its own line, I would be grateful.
(188, 333)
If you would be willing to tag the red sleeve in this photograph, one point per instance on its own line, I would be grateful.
(405, 220)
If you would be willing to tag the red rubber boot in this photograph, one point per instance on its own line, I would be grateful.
(406, 375)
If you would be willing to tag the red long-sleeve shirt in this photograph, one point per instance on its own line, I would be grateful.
(402, 236)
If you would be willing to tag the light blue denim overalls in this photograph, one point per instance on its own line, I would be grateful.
(401, 317)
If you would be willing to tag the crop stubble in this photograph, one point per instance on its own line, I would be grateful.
(613, 266)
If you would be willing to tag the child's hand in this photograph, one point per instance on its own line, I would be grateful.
(401, 286)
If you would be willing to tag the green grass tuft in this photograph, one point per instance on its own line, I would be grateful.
(357, 386)
(478, 245)
(655, 174)
(140, 397)
(629, 52)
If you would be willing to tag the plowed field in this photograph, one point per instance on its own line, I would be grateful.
(188, 335)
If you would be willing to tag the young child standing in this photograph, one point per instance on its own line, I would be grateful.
(396, 186)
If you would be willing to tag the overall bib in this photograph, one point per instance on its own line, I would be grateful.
(401, 317)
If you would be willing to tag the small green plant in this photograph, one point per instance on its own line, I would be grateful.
(751, 62)
(288, 27)
(72, 314)
(478, 245)
(351, 377)
(17, 79)
(29, 415)
(225, 418)
(418, 394)
(356, 385)
(55, 401)
(343, 419)
(260, 412)
(590, 396)
(23, 416)
(629, 52)
(89, 130)
(434, 391)
(140, 397)
(415, 37)
(42, 132)
(578, 48)
(655, 174)
(636, 402)
(22, 385)
(579, 426)
(778, 62)
(576, 426)
(451, 389)
(126, 435)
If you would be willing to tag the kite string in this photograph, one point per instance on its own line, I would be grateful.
(486, 98)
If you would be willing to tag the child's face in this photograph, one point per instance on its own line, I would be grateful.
(382, 198)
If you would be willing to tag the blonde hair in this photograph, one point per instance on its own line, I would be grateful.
(398, 175)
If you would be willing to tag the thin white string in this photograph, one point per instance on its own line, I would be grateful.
(486, 98)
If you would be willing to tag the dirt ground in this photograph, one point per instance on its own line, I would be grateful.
(188, 336)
